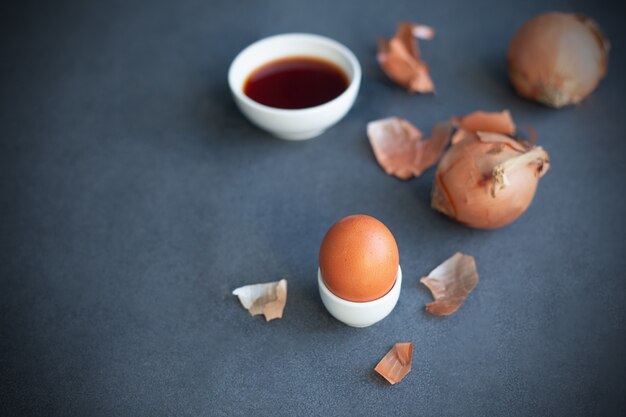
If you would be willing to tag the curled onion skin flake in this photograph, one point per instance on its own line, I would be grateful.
(400, 58)
(481, 121)
(496, 122)
(267, 298)
(488, 180)
(396, 364)
(451, 283)
(400, 150)
(396, 144)
(460, 135)
(435, 146)
(557, 58)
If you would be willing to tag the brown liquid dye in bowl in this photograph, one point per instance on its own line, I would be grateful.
(296, 82)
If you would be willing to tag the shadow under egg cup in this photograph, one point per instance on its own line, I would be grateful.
(358, 314)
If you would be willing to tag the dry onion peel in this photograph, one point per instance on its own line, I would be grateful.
(268, 298)
(497, 122)
(400, 150)
(399, 57)
(460, 135)
(396, 145)
(450, 283)
(397, 363)
(434, 147)
(557, 58)
(488, 180)
(490, 137)
(532, 135)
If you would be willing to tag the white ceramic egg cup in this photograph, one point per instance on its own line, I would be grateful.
(295, 124)
(360, 314)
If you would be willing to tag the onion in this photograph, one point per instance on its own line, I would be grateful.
(557, 58)
(487, 180)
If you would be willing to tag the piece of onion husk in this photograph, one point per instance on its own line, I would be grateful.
(268, 298)
(400, 148)
(557, 58)
(396, 364)
(451, 283)
(400, 57)
(487, 180)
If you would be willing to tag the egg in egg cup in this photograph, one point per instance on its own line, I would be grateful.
(359, 277)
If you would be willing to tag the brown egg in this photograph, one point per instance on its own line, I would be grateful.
(359, 259)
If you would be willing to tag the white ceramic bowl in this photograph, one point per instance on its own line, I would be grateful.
(300, 123)
(360, 314)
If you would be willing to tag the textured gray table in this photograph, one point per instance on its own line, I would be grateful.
(135, 197)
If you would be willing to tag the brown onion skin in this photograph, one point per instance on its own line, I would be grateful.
(557, 58)
(463, 182)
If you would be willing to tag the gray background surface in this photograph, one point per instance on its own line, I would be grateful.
(135, 197)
